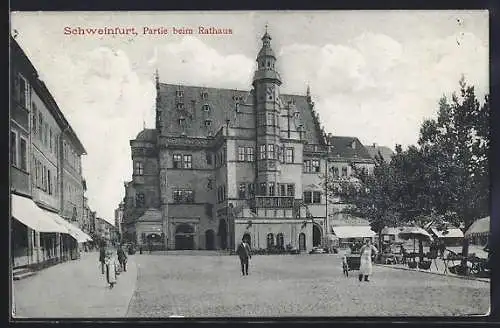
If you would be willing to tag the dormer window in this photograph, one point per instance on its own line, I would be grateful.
(180, 105)
(208, 123)
(204, 95)
(182, 121)
(206, 108)
(179, 93)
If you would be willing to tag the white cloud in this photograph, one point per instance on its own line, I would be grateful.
(191, 61)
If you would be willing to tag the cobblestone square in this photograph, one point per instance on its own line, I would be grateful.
(302, 285)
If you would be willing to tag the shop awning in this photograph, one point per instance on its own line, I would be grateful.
(353, 231)
(450, 233)
(27, 212)
(73, 231)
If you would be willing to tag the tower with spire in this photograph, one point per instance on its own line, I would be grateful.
(266, 83)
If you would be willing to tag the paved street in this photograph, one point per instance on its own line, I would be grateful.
(303, 285)
(74, 289)
(198, 285)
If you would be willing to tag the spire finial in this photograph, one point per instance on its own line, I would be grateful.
(266, 27)
(308, 92)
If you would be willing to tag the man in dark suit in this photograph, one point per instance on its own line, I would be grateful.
(243, 252)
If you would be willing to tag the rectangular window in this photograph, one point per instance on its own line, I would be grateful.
(262, 189)
(307, 166)
(241, 154)
(177, 161)
(270, 119)
(271, 189)
(344, 171)
(316, 197)
(242, 191)
(208, 156)
(282, 189)
(139, 168)
(315, 165)
(208, 123)
(23, 154)
(23, 92)
(204, 95)
(270, 151)
(44, 188)
(188, 161)
(280, 153)
(289, 155)
(40, 126)
(290, 190)
(49, 182)
(189, 196)
(335, 172)
(251, 190)
(249, 154)
(307, 197)
(13, 148)
(262, 151)
(177, 195)
(179, 93)
(206, 108)
(50, 139)
(34, 118)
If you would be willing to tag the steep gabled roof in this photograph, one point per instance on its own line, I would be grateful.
(222, 106)
(386, 152)
(348, 147)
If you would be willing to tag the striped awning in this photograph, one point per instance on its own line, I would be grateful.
(73, 231)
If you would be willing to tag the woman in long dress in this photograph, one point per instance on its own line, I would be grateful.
(365, 268)
(110, 268)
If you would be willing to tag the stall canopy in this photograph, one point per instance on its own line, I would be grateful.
(27, 212)
(73, 231)
(479, 227)
(449, 233)
(353, 232)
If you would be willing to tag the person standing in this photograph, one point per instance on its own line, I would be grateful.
(122, 258)
(243, 252)
(102, 257)
(365, 268)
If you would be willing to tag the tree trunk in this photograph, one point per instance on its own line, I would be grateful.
(420, 250)
(465, 255)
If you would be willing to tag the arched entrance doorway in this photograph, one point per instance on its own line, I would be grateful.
(209, 239)
(247, 238)
(302, 241)
(280, 241)
(184, 236)
(316, 235)
(222, 233)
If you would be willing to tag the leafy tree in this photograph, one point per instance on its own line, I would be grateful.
(368, 194)
(455, 147)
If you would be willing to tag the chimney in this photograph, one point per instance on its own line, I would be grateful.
(374, 145)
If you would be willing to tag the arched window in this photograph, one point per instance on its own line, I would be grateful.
(280, 241)
(270, 240)
(139, 200)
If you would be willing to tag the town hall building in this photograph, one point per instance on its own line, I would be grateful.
(223, 164)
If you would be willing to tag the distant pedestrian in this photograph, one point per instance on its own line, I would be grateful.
(365, 268)
(110, 268)
(122, 258)
(243, 252)
(102, 257)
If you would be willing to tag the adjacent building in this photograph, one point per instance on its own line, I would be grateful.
(223, 164)
(39, 235)
(375, 150)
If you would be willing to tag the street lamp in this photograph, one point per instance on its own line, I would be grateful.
(328, 143)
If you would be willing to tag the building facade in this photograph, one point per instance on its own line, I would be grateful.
(39, 235)
(224, 164)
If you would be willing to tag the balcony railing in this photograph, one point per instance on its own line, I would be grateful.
(273, 202)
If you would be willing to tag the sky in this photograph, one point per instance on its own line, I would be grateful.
(375, 75)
